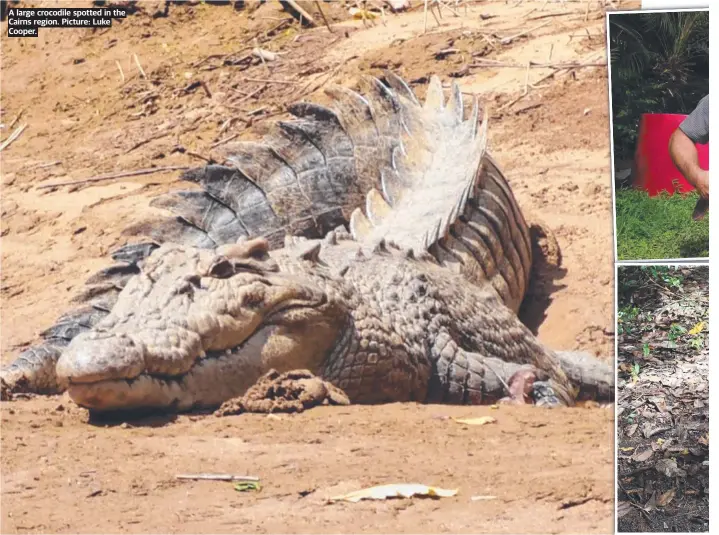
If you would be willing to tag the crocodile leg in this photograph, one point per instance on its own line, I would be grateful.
(466, 377)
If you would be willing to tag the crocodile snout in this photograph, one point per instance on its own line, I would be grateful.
(98, 356)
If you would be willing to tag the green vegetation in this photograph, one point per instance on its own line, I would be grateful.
(660, 64)
(659, 227)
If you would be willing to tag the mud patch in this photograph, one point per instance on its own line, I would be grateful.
(293, 391)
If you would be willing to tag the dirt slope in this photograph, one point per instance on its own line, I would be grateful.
(90, 111)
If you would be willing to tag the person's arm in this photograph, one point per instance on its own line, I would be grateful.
(685, 157)
(682, 148)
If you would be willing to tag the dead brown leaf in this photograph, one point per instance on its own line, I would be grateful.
(643, 454)
(624, 508)
(666, 497)
(669, 468)
(651, 502)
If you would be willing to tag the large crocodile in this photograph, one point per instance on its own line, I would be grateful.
(417, 301)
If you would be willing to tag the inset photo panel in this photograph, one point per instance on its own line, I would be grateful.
(662, 408)
(659, 104)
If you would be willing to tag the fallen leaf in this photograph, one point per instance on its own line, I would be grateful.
(704, 440)
(666, 497)
(651, 503)
(648, 430)
(482, 420)
(668, 467)
(398, 490)
(631, 430)
(699, 327)
(627, 449)
(362, 14)
(642, 455)
(624, 508)
(244, 486)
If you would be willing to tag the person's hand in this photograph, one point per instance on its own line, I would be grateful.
(703, 184)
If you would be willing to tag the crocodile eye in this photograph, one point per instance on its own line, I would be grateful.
(222, 269)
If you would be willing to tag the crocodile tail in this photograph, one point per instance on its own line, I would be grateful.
(303, 179)
(444, 194)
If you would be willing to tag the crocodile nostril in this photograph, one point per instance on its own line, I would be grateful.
(188, 285)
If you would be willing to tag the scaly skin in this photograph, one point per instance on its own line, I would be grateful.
(198, 327)
(196, 322)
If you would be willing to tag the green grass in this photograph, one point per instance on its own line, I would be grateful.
(659, 227)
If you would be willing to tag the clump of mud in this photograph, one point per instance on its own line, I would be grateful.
(293, 391)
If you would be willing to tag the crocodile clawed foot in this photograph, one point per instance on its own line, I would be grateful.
(543, 395)
(529, 386)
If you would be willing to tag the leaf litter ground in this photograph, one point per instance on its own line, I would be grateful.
(663, 399)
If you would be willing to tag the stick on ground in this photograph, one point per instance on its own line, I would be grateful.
(115, 175)
(16, 134)
(139, 67)
(322, 13)
(306, 18)
(217, 477)
(511, 38)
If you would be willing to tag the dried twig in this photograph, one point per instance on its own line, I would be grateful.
(511, 38)
(538, 65)
(122, 74)
(217, 477)
(16, 134)
(526, 78)
(148, 139)
(45, 165)
(309, 88)
(257, 51)
(426, 4)
(113, 176)
(266, 81)
(431, 10)
(139, 67)
(252, 93)
(548, 15)
(207, 89)
(257, 111)
(199, 156)
(306, 18)
(16, 119)
(444, 4)
(322, 13)
(223, 141)
(520, 97)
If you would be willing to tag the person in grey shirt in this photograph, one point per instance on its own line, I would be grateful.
(694, 129)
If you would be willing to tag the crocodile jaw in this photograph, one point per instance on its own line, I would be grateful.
(218, 376)
(284, 344)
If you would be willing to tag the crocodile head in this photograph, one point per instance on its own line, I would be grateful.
(197, 327)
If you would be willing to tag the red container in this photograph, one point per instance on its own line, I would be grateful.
(654, 170)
